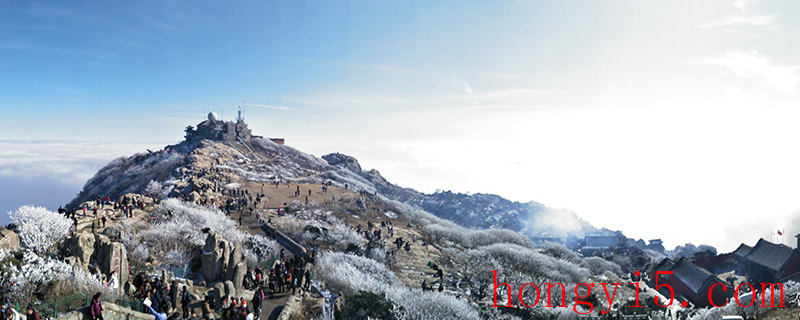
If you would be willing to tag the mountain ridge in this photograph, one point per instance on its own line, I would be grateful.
(265, 161)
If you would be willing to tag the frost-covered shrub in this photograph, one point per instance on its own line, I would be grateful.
(159, 190)
(259, 248)
(33, 273)
(478, 266)
(188, 220)
(40, 228)
(367, 305)
(530, 262)
(599, 266)
(479, 238)
(689, 250)
(560, 251)
(424, 305)
(179, 230)
(350, 274)
(318, 230)
(445, 231)
(440, 232)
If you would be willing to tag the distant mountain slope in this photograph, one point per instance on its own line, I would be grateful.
(263, 160)
(479, 210)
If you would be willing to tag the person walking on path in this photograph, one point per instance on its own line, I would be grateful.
(258, 297)
(308, 279)
(96, 307)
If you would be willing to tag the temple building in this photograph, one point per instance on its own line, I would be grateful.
(218, 130)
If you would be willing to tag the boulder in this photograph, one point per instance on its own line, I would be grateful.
(238, 275)
(116, 260)
(233, 261)
(218, 293)
(102, 245)
(101, 239)
(9, 240)
(211, 258)
(83, 248)
(220, 258)
(230, 289)
(225, 260)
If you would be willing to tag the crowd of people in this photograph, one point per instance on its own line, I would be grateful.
(92, 210)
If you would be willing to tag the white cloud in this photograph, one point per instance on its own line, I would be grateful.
(752, 20)
(467, 88)
(267, 106)
(740, 4)
(67, 162)
(753, 65)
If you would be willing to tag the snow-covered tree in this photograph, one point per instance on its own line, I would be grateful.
(351, 274)
(158, 190)
(178, 231)
(33, 274)
(599, 266)
(40, 228)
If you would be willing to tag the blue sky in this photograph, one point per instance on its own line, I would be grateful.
(618, 110)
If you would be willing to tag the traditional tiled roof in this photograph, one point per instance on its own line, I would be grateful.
(664, 265)
(742, 250)
(770, 255)
(692, 276)
(602, 242)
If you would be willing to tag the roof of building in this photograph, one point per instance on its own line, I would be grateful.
(691, 275)
(770, 255)
(664, 265)
(601, 241)
(742, 250)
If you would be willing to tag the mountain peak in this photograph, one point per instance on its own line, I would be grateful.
(246, 157)
(343, 161)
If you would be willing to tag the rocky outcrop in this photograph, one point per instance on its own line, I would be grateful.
(211, 258)
(230, 289)
(218, 293)
(233, 261)
(116, 260)
(83, 248)
(9, 240)
(238, 275)
(87, 250)
(220, 259)
(343, 161)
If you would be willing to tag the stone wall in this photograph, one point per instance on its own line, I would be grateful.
(285, 241)
(289, 308)
(110, 312)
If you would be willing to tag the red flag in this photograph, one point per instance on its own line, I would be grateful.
(780, 233)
